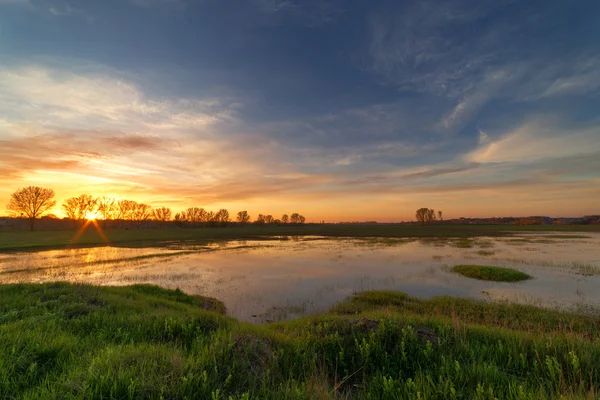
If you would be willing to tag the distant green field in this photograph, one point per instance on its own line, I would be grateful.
(40, 240)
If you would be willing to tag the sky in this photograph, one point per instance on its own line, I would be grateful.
(340, 110)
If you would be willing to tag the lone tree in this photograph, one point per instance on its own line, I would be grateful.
(32, 201)
(440, 215)
(425, 215)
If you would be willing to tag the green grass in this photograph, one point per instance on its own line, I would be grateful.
(82, 342)
(486, 273)
(41, 240)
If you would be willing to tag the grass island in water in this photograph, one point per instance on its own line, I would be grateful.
(487, 273)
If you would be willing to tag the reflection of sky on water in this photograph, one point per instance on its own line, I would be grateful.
(268, 280)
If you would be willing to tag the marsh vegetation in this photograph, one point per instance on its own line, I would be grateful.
(62, 340)
(365, 317)
(487, 273)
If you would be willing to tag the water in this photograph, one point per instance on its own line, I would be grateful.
(271, 280)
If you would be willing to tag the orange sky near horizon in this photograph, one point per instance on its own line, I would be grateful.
(329, 207)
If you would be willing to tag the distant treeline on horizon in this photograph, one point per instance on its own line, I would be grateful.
(34, 203)
(31, 204)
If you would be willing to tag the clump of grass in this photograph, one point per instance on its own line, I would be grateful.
(485, 244)
(485, 253)
(487, 273)
(464, 243)
(510, 316)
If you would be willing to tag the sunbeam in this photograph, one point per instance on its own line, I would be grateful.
(81, 230)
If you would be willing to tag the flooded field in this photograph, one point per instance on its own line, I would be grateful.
(282, 278)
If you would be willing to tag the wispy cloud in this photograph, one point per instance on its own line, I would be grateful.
(306, 12)
(411, 48)
(537, 139)
(58, 97)
(51, 8)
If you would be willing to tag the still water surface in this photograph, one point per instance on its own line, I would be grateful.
(279, 279)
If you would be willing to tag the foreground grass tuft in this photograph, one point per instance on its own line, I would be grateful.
(83, 342)
(485, 273)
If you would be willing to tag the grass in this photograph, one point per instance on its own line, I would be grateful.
(162, 237)
(486, 273)
(464, 243)
(82, 342)
(574, 266)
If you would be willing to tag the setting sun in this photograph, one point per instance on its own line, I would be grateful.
(91, 216)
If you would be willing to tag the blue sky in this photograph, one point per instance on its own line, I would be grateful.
(341, 110)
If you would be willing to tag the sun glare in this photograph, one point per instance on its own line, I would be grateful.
(91, 216)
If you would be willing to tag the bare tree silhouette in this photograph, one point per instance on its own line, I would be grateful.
(209, 217)
(106, 207)
(125, 209)
(195, 215)
(142, 212)
(78, 208)
(243, 217)
(32, 201)
(425, 215)
(222, 216)
(162, 214)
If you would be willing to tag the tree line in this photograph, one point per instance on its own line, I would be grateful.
(33, 202)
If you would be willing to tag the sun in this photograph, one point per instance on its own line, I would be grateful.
(91, 216)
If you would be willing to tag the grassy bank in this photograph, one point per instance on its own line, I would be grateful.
(41, 240)
(74, 341)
